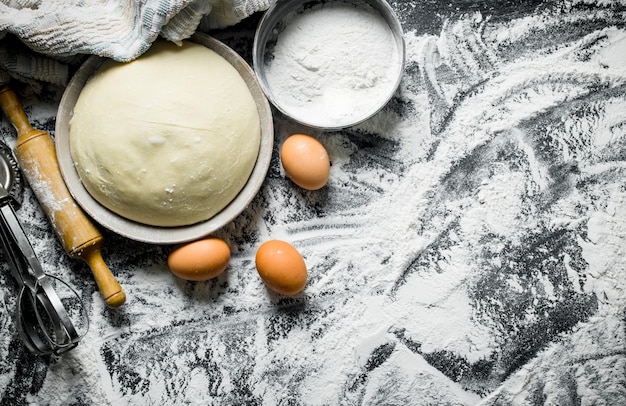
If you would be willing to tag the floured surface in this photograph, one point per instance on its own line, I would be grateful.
(468, 249)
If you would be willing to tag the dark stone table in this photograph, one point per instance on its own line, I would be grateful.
(468, 249)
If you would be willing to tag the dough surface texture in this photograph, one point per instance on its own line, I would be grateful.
(168, 139)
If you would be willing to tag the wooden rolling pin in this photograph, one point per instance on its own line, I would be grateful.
(37, 158)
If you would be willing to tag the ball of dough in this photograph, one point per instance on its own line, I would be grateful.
(168, 139)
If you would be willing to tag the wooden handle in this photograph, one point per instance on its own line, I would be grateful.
(37, 157)
(108, 285)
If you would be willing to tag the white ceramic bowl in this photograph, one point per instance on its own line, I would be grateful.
(143, 232)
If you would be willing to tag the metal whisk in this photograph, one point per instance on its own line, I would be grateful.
(44, 320)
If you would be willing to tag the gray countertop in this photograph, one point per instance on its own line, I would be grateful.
(468, 248)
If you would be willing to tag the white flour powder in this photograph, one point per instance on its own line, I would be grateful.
(190, 343)
(333, 65)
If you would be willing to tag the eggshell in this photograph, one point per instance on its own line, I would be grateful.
(305, 161)
(200, 260)
(281, 267)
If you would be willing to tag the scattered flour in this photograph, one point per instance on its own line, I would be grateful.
(355, 255)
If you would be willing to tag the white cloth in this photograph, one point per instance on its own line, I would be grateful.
(117, 29)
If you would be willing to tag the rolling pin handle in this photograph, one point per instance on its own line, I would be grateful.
(14, 111)
(109, 287)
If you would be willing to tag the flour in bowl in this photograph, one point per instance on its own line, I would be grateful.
(333, 65)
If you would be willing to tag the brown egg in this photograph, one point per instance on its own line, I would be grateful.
(281, 267)
(305, 161)
(200, 260)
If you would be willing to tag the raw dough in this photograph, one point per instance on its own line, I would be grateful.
(168, 139)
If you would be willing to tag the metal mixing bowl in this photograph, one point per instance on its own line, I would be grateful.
(274, 21)
(153, 234)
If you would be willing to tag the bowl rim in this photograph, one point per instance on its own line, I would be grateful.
(144, 232)
(279, 9)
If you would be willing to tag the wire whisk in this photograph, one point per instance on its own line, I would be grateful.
(50, 316)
